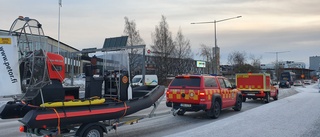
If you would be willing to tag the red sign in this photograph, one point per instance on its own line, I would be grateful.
(149, 51)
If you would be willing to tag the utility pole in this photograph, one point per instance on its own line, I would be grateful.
(60, 5)
(216, 57)
(277, 64)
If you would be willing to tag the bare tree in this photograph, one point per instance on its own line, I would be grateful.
(206, 53)
(255, 61)
(163, 47)
(133, 39)
(182, 46)
(237, 58)
(239, 62)
(182, 51)
(133, 34)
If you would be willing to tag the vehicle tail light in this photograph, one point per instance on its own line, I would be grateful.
(22, 129)
(202, 96)
(186, 76)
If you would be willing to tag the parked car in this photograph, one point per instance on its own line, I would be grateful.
(284, 84)
(150, 80)
(298, 83)
(307, 81)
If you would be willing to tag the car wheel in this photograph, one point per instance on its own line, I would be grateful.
(244, 99)
(215, 110)
(238, 104)
(267, 98)
(276, 97)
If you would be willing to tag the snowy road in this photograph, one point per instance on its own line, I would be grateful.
(294, 116)
(251, 119)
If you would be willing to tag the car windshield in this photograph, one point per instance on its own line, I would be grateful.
(80, 75)
(136, 80)
(189, 81)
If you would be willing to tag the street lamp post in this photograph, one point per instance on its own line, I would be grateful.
(60, 5)
(277, 64)
(216, 68)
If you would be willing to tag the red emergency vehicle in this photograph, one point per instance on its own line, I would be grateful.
(202, 92)
(256, 85)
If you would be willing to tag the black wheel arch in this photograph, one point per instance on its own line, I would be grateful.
(216, 97)
(239, 94)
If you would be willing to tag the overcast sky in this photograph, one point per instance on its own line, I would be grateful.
(266, 26)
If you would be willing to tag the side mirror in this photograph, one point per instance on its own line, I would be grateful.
(234, 86)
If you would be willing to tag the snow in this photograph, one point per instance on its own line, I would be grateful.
(4, 100)
(297, 115)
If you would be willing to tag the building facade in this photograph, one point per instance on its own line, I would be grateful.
(314, 62)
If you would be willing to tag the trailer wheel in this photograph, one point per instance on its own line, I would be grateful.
(181, 112)
(267, 98)
(238, 105)
(214, 111)
(93, 131)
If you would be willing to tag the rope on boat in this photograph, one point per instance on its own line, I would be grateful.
(58, 117)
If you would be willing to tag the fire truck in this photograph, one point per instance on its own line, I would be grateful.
(256, 85)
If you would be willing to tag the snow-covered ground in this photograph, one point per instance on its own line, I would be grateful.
(294, 116)
(5, 100)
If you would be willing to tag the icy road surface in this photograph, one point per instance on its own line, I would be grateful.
(294, 116)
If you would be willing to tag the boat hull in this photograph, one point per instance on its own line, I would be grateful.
(66, 116)
(14, 110)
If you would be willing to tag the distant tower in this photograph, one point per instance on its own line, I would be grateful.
(216, 64)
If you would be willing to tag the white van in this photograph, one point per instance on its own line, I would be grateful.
(151, 80)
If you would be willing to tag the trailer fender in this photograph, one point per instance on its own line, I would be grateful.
(84, 127)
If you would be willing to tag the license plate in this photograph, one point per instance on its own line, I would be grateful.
(185, 105)
(251, 94)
